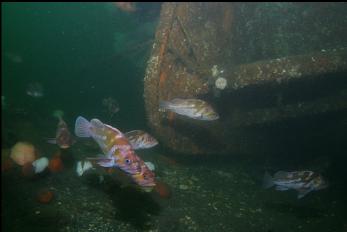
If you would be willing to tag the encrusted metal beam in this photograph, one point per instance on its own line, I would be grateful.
(322, 105)
(287, 68)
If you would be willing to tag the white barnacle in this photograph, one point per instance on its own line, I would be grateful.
(214, 71)
(221, 83)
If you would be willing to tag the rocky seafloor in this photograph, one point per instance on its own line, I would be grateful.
(205, 196)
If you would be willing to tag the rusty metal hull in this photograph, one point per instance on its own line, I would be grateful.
(192, 40)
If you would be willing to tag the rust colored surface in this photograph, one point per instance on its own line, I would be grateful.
(193, 38)
(175, 64)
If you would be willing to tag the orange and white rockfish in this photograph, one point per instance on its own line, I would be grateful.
(63, 137)
(140, 139)
(117, 150)
(192, 108)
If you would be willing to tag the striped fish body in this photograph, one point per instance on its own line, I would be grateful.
(302, 181)
(192, 108)
(117, 150)
(140, 139)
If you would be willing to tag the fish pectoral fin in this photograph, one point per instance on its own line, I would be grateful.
(103, 161)
(302, 192)
(281, 188)
(51, 140)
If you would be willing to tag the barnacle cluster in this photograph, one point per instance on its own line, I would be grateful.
(220, 82)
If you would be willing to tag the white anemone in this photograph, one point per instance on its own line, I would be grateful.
(40, 164)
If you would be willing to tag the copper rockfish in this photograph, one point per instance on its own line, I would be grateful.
(140, 139)
(302, 181)
(63, 137)
(117, 150)
(192, 108)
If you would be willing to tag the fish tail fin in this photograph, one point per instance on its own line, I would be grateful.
(163, 105)
(58, 114)
(82, 127)
(267, 181)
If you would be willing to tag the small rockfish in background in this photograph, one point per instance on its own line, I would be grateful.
(140, 139)
(117, 151)
(111, 105)
(302, 181)
(35, 90)
(3, 102)
(64, 138)
(126, 6)
(193, 108)
(14, 57)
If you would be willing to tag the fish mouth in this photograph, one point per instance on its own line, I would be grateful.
(147, 188)
(147, 185)
(64, 146)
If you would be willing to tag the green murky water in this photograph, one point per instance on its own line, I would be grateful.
(83, 53)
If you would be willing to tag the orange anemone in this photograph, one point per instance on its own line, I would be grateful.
(162, 189)
(56, 164)
(44, 196)
(22, 153)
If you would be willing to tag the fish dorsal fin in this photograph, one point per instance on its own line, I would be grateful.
(281, 175)
(186, 103)
(133, 132)
(115, 130)
(97, 123)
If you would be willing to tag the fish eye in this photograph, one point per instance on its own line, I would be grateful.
(127, 161)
